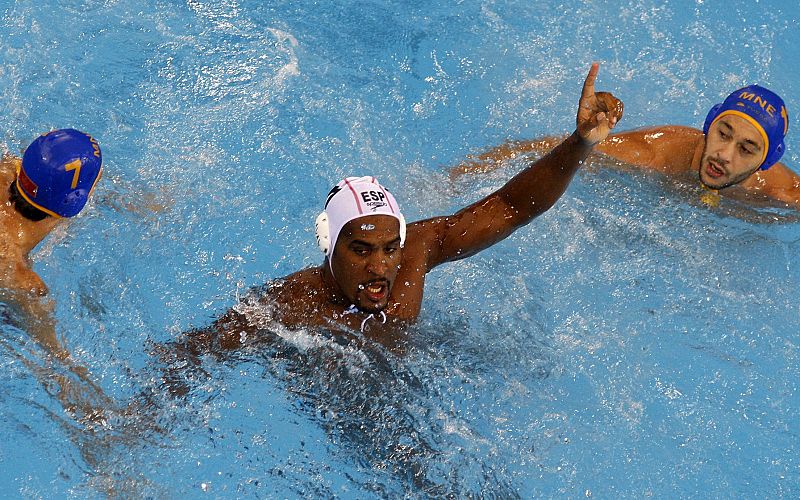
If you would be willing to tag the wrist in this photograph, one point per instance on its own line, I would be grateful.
(580, 141)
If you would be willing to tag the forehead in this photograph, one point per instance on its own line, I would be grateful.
(741, 129)
(372, 228)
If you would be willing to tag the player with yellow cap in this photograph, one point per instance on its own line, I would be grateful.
(52, 181)
(737, 152)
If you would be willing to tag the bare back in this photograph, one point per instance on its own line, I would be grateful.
(20, 236)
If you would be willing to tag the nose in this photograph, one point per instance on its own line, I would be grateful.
(725, 151)
(377, 264)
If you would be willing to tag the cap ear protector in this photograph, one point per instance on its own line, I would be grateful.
(774, 157)
(710, 117)
(765, 110)
(322, 230)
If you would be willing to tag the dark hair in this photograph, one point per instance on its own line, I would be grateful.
(22, 206)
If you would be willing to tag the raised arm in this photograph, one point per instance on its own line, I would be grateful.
(529, 193)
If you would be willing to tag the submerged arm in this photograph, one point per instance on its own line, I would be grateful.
(80, 396)
(494, 158)
(228, 332)
(182, 357)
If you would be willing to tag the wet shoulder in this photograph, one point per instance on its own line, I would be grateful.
(423, 241)
(8, 173)
(778, 182)
(658, 135)
(18, 277)
(300, 291)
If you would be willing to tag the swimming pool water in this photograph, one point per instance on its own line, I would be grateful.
(630, 342)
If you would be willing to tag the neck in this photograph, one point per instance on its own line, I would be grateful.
(29, 233)
(330, 287)
(36, 231)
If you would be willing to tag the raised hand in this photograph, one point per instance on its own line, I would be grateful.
(598, 112)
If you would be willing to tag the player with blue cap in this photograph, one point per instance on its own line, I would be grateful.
(53, 180)
(764, 110)
(59, 171)
(741, 144)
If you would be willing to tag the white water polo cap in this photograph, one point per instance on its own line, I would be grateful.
(353, 198)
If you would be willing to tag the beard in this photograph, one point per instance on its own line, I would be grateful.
(727, 179)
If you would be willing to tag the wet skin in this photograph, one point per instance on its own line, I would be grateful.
(366, 260)
(20, 237)
(729, 158)
(734, 149)
(369, 269)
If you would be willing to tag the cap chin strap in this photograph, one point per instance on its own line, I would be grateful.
(354, 309)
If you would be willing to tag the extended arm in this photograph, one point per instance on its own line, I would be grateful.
(529, 193)
(495, 157)
(80, 396)
(666, 148)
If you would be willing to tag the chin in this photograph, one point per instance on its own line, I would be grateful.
(372, 307)
(710, 183)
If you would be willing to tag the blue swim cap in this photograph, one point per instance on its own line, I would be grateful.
(59, 171)
(765, 110)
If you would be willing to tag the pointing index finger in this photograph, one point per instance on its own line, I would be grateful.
(588, 85)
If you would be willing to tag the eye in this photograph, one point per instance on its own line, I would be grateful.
(360, 251)
(746, 149)
(724, 135)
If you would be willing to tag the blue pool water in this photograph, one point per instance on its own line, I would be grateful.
(628, 343)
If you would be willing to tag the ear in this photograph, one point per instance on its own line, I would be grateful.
(773, 157)
(323, 232)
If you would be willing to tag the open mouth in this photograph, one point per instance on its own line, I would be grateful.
(714, 170)
(376, 291)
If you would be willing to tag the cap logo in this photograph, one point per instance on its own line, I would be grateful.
(759, 101)
(76, 166)
(374, 199)
(95, 146)
(331, 194)
(27, 184)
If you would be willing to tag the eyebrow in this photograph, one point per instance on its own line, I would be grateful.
(367, 244)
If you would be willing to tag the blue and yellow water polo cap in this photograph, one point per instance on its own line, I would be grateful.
(59, 171)
(765, 110)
